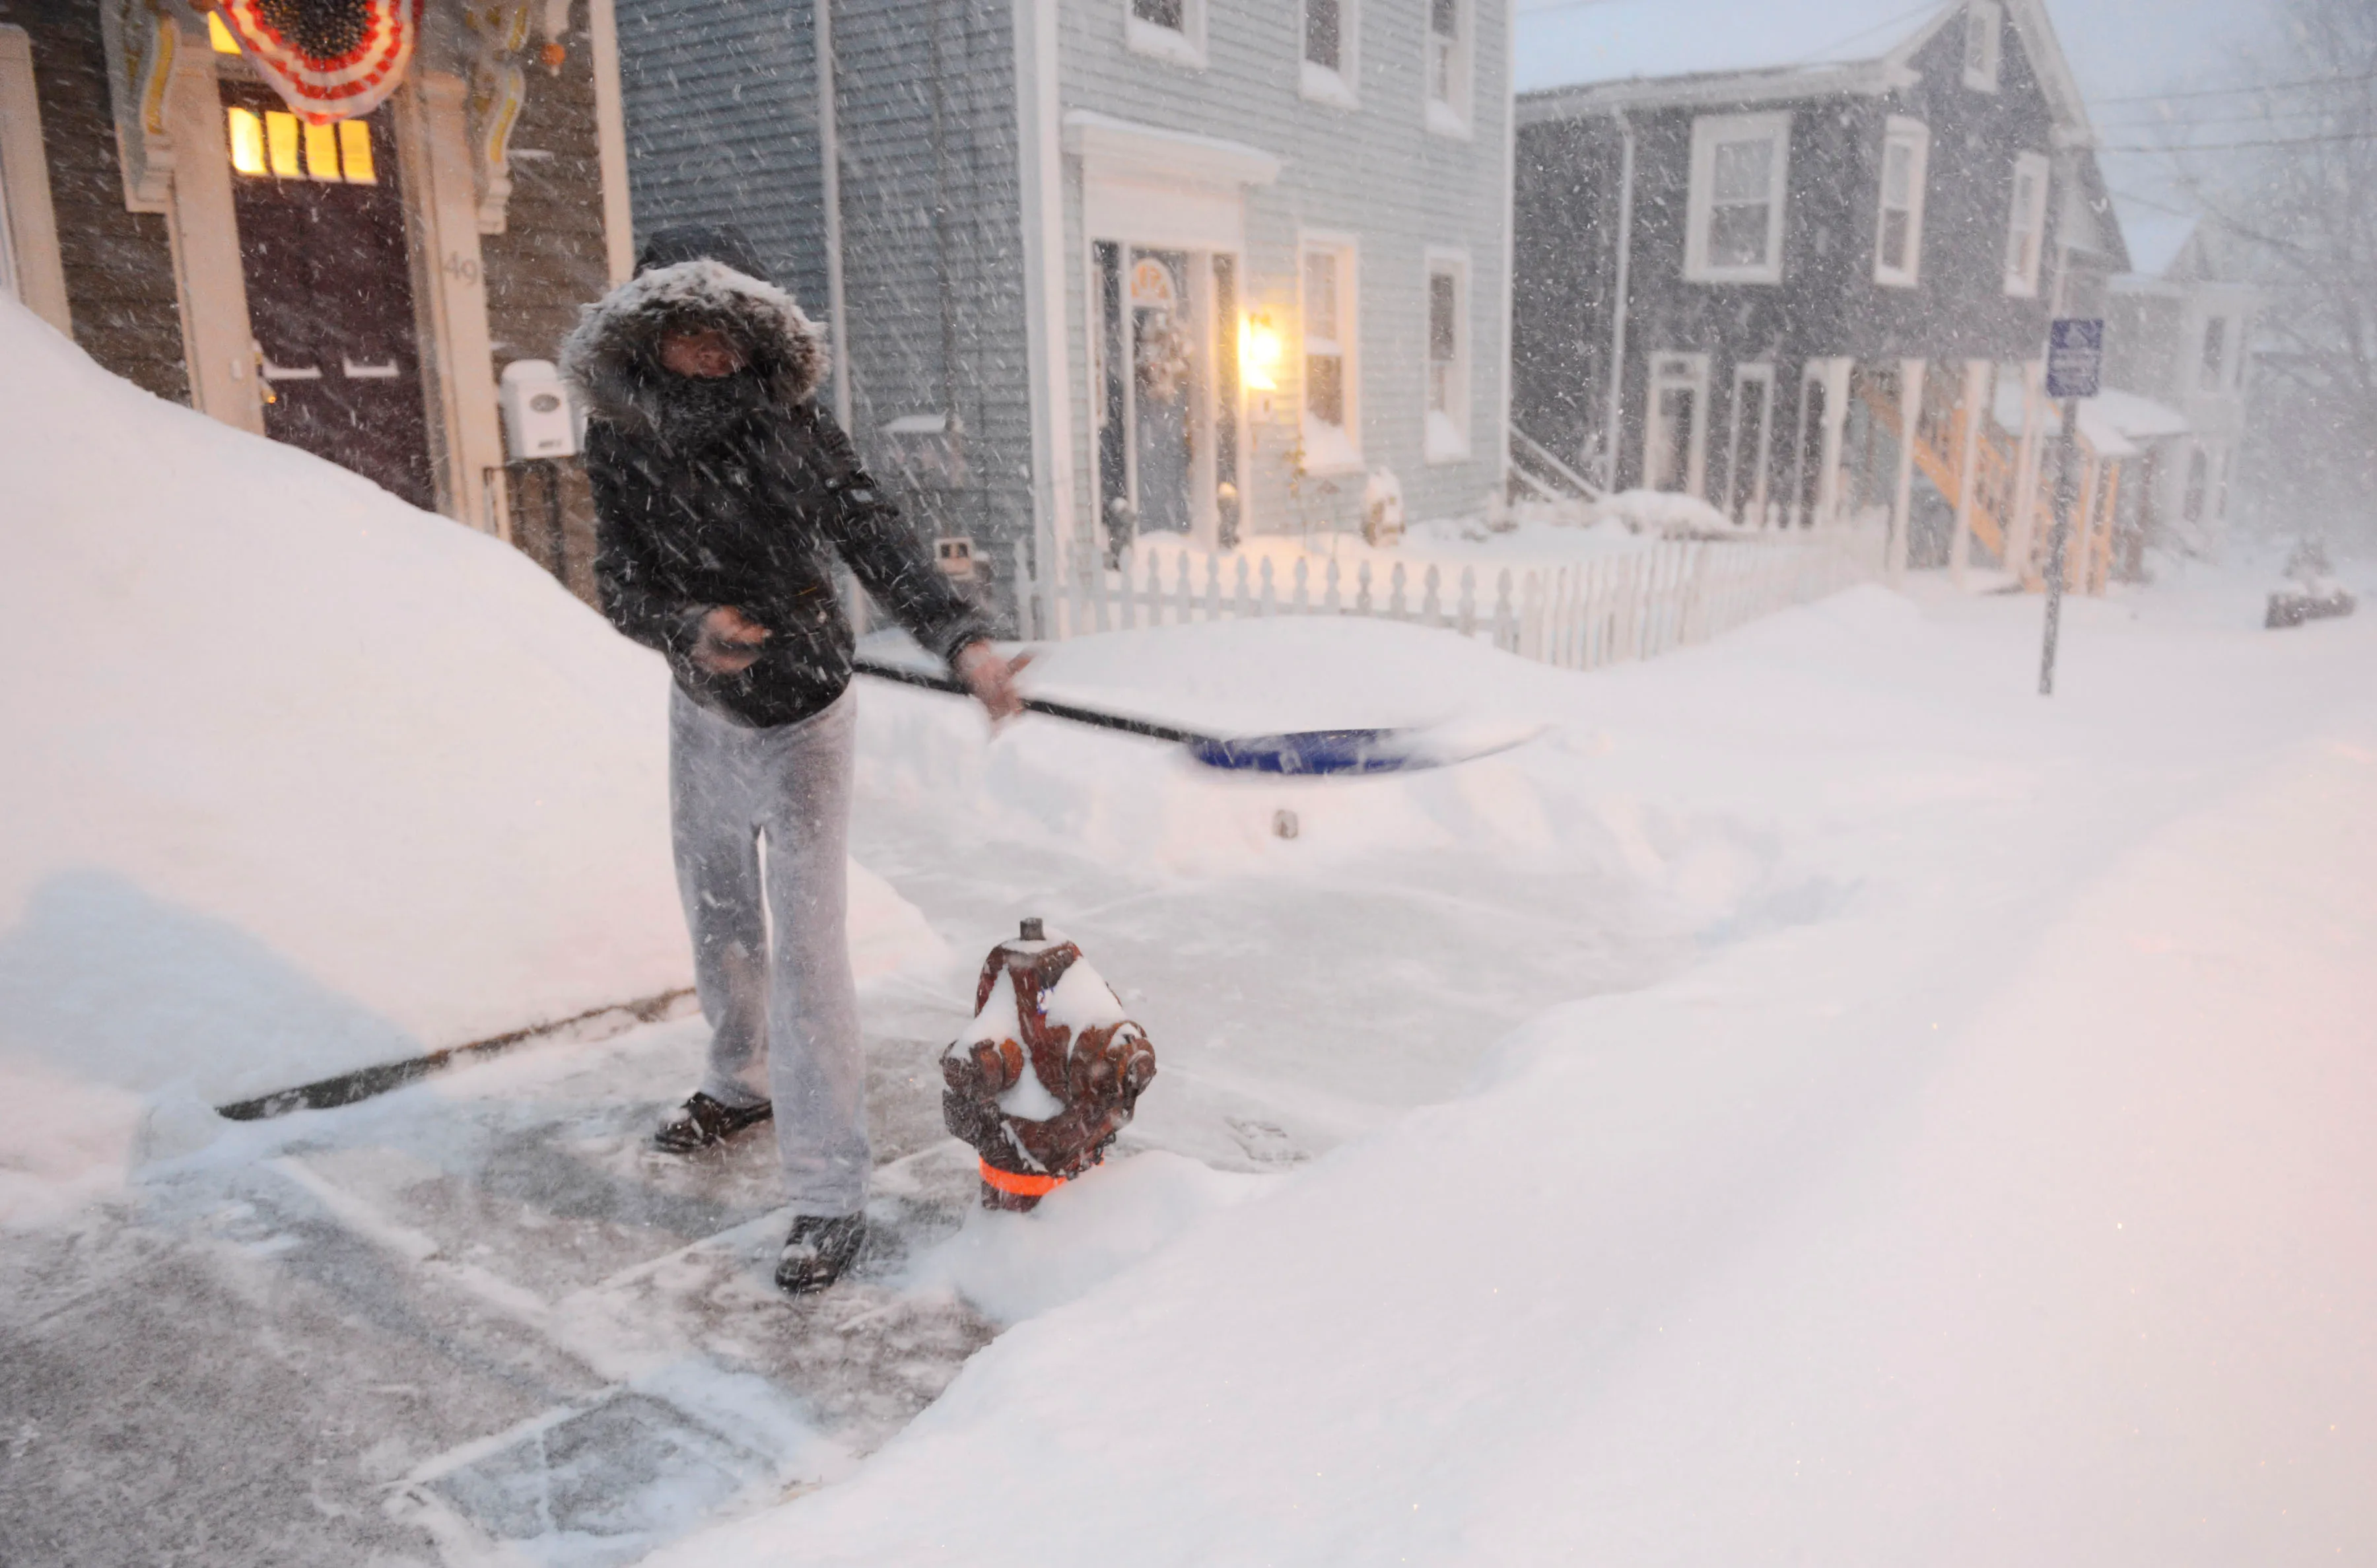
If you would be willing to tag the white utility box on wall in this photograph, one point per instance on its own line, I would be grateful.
(538, 422)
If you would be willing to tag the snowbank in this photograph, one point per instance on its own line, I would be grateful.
(1991, 1193)
(304, 779)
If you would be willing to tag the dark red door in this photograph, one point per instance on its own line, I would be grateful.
(329, 290)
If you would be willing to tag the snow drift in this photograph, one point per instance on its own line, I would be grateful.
(303, 778)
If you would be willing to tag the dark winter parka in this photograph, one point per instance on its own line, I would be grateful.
(739, 490)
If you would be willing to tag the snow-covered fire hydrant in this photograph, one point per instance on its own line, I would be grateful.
(1050, 1070)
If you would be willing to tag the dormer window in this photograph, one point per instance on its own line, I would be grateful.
(1169, 29)
(1740, 166)
(1984, 44)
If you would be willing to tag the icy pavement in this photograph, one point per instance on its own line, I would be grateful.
(475, 1322)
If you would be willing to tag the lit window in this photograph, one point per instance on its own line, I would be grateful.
(355, 151)
(2215, 354)
(1984, 44)
(1329, 363)
(246, 140)
(280, 135)
(1448, 359)
(322, 151)
(220, 35)
(1740, 163)
(1448, 67)
(1898, 244)
(2026, 227)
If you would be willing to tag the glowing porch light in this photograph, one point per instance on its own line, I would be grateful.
(246, 141)
(1259, 353)
(280, 138)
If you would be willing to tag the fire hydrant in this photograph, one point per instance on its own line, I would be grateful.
(1050, 1070)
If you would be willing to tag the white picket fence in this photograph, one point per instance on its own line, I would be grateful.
(1634, 605)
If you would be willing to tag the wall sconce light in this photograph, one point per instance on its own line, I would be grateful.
(1259, 353)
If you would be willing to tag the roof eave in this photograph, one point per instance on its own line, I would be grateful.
(1864, 79)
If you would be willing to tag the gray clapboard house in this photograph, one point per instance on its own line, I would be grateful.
(1787, 258)
(1108, 269)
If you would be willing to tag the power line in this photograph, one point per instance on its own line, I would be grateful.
(2259, 117)
(2232, 146)
(2232, 92)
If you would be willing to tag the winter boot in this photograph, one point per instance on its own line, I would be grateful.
(818, 1251)
(704, 1123)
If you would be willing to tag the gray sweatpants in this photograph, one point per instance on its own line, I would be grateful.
(762, 828)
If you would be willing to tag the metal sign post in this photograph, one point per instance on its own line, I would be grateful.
(2075, 362)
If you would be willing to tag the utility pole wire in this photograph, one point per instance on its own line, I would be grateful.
(2232, 92)
(2233, 146)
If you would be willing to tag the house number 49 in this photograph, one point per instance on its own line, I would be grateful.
(462, 266)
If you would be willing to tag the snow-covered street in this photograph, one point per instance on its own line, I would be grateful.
(1816, 1093)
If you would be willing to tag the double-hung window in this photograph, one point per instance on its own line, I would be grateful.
(1448, 356)
(1449, 25)
(2026, 226)
(1328, 72)
(2213, 368)
(1170, 30)
(1984, 44)
(1898, 236)
(1740, 168)
(1332, 366)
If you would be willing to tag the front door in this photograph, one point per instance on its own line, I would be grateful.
(1163, 361)
(330, 289)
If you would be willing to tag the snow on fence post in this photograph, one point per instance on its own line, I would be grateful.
(1183, 601)
(1303, 601)
(1362, 590)
(1532, 617)
(1269, 599)
(1333, 600)
(1127, 596)
(1468, 604)
(1506, 636)
(1240, 610)
(1395, 608)
(1213, 589)
(1431, 607)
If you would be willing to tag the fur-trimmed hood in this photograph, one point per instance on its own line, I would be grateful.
(611, 356)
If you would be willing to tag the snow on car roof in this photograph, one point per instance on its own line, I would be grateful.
(1562, 43)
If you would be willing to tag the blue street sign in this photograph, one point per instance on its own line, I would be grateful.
(2075, 358)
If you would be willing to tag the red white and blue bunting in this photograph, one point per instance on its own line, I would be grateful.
(331, 60)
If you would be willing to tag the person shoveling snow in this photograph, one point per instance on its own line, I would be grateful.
(722, 493)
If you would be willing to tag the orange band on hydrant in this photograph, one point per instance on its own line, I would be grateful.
(1017, 1186)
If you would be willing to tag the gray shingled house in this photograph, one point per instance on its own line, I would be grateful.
(1791, 258)
(1101, 269)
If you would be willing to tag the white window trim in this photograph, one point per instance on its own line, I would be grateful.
(1447, 436)
(1184, 47)
(37, 273)
(2024, 285)
(1446, 117)
(1696, 451)
(1990, 15)
(1338, 89)
(1708, 132)
(1901, 131)
(1759, 374)
(1330, 449)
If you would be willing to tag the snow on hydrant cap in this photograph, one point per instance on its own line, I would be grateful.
(1050, 1070)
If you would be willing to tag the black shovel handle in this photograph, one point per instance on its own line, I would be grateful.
(1095, 717)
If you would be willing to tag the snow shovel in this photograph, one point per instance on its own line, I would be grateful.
(1296, 753)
